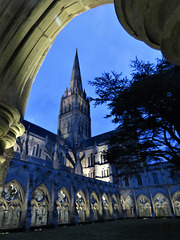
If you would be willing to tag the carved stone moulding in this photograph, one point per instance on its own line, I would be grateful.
(10, 127)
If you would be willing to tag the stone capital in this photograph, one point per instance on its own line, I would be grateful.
(10, 127)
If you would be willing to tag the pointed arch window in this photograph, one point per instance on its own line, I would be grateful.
(139, 180)
(34, 151)
(39, 207)
(10, 206)
(37, 150)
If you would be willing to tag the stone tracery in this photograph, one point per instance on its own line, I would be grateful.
(162, 206)
(10, 206)
(80, 203)
(94, 204)
(39, 207)
(176, 203)
(144, 206)
(63, 206)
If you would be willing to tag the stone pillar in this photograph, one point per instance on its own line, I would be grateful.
(4, 164)
(28, 216)
(10, 129)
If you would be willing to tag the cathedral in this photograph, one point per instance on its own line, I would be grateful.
(65, 178)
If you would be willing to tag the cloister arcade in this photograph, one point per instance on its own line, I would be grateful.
(28, 30)
(101, 207)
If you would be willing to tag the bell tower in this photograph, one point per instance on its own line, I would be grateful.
(74, 122)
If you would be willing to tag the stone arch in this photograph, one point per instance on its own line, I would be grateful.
(18, 185)
(63, 206)
(94, 205)
(162, 206)
(40, 206)
(11, 205)
(176, 203)
(115, 206)
(144, 206)
(81, 205)
(129, 206)
(36, 150)
(106, 206)
(3, 209)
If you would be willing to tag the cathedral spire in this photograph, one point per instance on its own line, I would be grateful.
(76, 83)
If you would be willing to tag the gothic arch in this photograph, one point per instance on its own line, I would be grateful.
(63, 206)
(144, 206)
(43, 187)
(11, 205)
(106, 205)
(129, 206)
(115, 205)
(162, 206)
(40, 206)
(81, 205)
(18, 185)
(94, 205)
(176, 203)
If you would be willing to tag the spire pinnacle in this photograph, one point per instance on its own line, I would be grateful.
(76, 82)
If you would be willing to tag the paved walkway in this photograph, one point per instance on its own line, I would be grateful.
(145, 229)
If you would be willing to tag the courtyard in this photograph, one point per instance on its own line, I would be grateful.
(122, 229)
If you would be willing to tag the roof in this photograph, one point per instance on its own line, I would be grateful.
(76, 76)
(39, 131)
(98, 140)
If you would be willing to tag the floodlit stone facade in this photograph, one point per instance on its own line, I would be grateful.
(66, 179)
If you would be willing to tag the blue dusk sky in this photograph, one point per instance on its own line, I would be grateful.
(103, 45)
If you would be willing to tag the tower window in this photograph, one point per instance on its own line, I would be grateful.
(89, 161)
(139, 180)
(93, 160)
(34, 150)
(40, 152)
(37, 150)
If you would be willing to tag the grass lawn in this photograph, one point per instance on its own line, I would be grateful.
(133, 229)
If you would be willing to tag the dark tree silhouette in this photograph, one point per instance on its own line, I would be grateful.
(147, 111)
